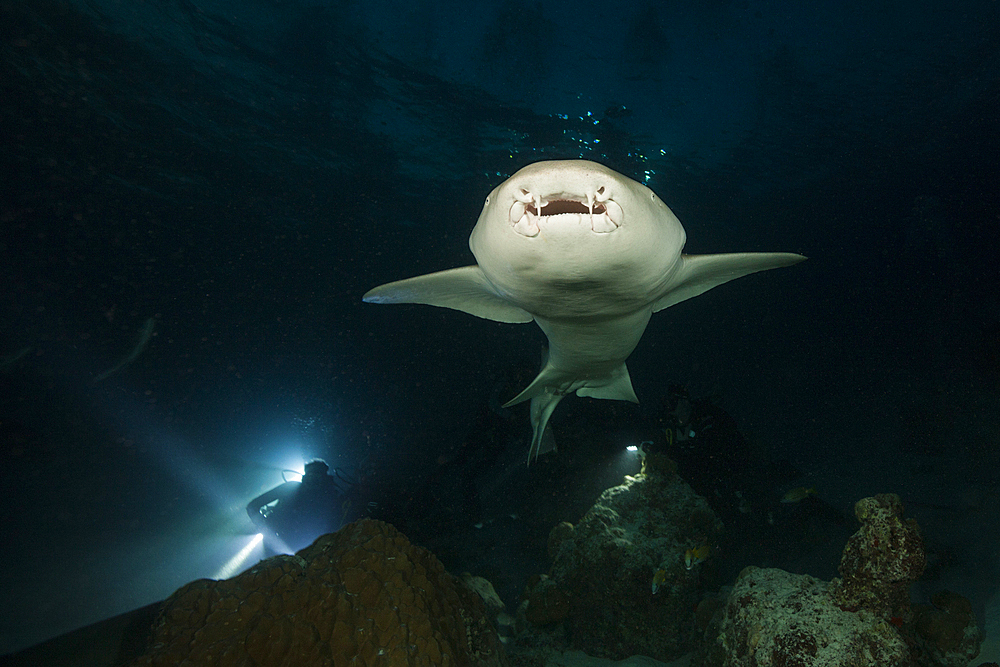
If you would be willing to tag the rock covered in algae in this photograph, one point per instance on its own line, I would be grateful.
(776, 619)
(599, 586)
(881, 560)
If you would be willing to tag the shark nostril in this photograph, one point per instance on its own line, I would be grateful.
(523, 195)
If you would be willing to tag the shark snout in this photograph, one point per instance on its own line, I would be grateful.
(531, 207)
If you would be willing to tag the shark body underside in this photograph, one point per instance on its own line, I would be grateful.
(589, 255)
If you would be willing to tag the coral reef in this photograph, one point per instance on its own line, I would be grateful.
(361, 596)
(486, 591)
(947, 633)
(881, 560)
(599, 586)
(546, 603)
(773, 618)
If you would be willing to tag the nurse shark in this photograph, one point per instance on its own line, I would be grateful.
(589, 255)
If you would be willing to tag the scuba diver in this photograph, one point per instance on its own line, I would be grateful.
(711, 453)
(743, 486)
(299, 512)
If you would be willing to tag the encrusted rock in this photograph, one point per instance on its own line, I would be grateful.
(776, 619)
(881, 560)
(362, 596)
(557, 536)
(486, 592)
(600, 583)
(546, 603)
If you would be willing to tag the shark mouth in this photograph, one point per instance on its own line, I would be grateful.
(529, 210)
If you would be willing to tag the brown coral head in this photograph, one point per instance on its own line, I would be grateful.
(362, 596)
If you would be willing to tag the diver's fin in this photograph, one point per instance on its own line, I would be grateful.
(144, 336)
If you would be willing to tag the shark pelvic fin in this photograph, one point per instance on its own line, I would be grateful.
(465, 289)
(618, 389)
(547, 389)
(700, 273)
(544, 383)
(616, 386)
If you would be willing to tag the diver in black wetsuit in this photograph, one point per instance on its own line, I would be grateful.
(299, 512)
(743, 486)
(712, 455)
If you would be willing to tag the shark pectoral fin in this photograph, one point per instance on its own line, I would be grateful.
(465, 289)
(700, 273)
(618, 389)
(541, 409)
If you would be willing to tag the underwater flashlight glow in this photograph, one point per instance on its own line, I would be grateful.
(234, 563)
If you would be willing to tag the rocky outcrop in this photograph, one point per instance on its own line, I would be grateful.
(599, 588)
(361, 596)
(776, 619)
(881, 560)
(946, 630)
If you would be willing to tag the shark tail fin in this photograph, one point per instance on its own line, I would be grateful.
(616, 386)
(542, 440)
(544, 399)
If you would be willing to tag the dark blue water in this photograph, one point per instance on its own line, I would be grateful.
(241, 174)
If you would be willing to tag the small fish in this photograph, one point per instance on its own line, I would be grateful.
(697, 555)
(798, 494)
(659, 578)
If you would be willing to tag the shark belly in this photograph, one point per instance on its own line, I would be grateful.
(587, 356)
